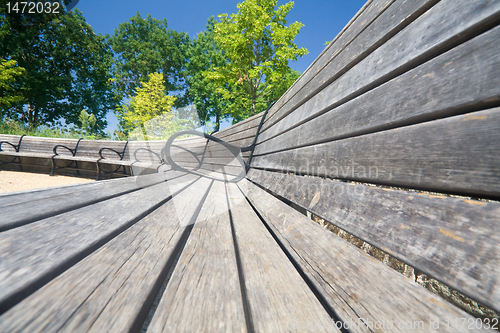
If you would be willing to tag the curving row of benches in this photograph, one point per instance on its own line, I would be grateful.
(89, 158)
(109, 159)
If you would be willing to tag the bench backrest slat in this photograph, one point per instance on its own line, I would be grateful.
(408, 97)
(371, 11)
(421, 94)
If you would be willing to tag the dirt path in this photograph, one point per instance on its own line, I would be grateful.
(11, 181)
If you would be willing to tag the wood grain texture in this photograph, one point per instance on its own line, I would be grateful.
(223, 168)
(391, 20)
(355, 284)
(450, 22)
(360, 22)
(7, 138)
(18, 209)
(106, 291)
(241, 126)
(456, 154)
(34, 254)
(454, 240)
(463, 78)
(203, 294)
(241, 134)
(276, 294)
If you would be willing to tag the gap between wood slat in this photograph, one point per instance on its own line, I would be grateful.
(356, 241)
(464, 36)
(244, 296)
(18, 296)
(318, 89)
(143, 320)
(312, 69)
(480, 106)
(331, 312)
(76, 205)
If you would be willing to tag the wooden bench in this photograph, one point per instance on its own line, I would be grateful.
(85, 158)
(390, 136)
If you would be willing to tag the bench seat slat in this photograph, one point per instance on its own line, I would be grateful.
(228, 169)
(32, 255)
(455, 20)
(444, 237)
(110, 290)
(456, 154)
(40, 155)
(29, 206)
(460, 79)
(349, 279)
(272, 285)
(203, 293)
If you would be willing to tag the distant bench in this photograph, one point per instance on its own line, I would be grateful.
(91, 158)
(391, 137)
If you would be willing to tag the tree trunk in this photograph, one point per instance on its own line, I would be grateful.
(217, 122)
(32, 116)
(143, 128)
(254, 100)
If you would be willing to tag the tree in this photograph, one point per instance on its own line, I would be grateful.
(203, 55)
(150, 102)
(9, 91)
(258, 46)
(67, 67)
(144, 46)
(88, 122)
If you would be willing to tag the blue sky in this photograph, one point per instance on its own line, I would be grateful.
(322, 19)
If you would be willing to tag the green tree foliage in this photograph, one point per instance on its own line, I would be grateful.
(258, 46)
(88, 122)
(149, 112)
(67, 67)
(204, 55)
(9, 90)
(144, 46)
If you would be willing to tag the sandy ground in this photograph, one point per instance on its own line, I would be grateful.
(11, 181)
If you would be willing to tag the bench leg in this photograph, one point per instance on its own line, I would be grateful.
(98, 171)
(53, 170)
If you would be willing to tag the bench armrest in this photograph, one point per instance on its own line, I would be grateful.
(73, 151)
(234, 150)
(122, 154)
(16, 147)
(9, 143)
(110, 149)
(161, 160)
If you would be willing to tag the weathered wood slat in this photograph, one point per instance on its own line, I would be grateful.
(230, 169)
(453, 21)
(269, 297)
(203, 293)
(456, 154)
(34, 254)
(242, 125)
(391, 21)
(464, 78)
(349, 279)
(443, 236)
(367, 14)
(243, 138)
(46, 154)
(110, 290)
(217, 174)
(241, 134)
(20, 208)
